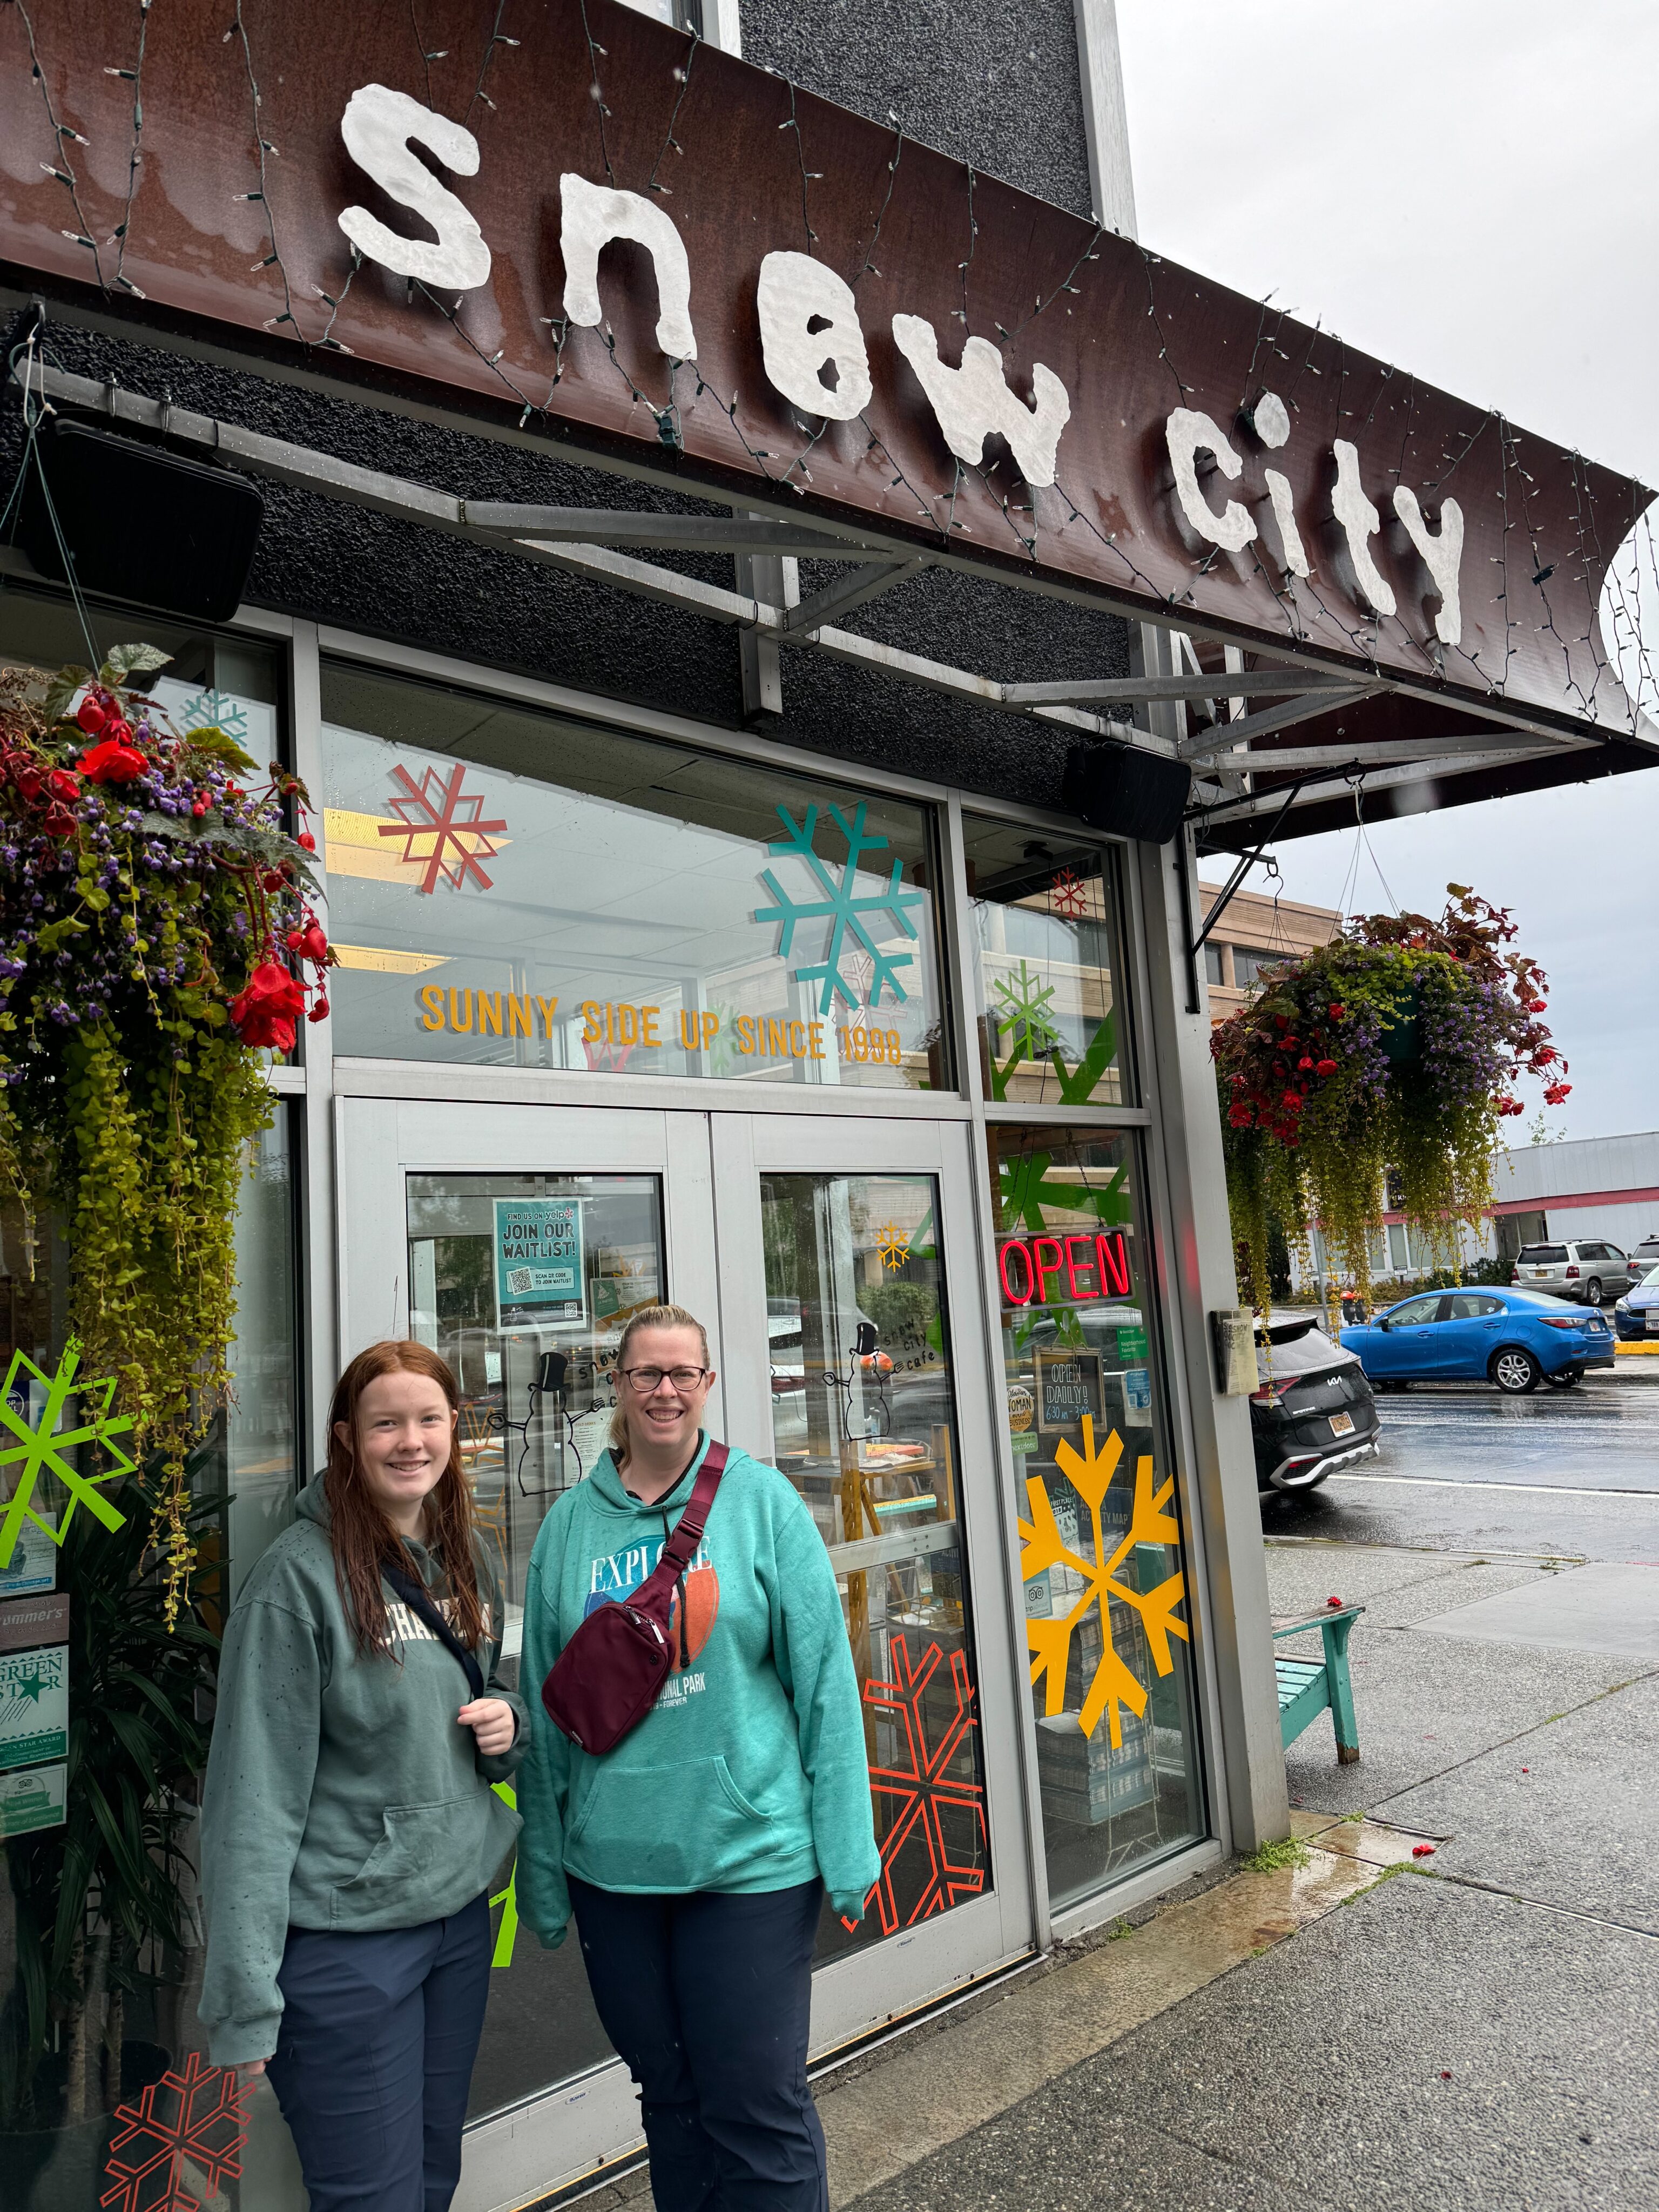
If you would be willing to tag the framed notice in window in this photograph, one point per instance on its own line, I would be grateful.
(1068, 1386)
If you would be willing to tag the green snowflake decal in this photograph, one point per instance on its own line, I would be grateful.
(1026, 999)
(841, 907)
(41, 1450)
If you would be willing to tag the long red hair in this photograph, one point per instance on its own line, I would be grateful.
(359, 1530)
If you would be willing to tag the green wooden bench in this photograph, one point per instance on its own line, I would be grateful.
(1307, 1688)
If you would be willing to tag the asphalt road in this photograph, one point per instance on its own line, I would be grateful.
(1573, 1473)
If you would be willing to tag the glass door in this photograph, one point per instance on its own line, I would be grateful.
(516, 1241)
(856, 1364)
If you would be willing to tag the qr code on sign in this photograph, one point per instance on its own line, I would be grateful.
(518, 1280)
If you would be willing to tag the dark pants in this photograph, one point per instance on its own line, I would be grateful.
(706, 1999)
(374, 2056)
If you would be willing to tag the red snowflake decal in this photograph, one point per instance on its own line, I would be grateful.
(431, 809)
(185, 2134)
(922, 1791)
(1068, 894)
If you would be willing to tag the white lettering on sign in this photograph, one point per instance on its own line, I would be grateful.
(378, 127)
(971, 402)
(594, 215)
(1442, 556)
(1271, 420)
(1360, 523)
(1187, 434)
(809, 324)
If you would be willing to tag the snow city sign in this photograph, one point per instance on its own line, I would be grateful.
(579, 221)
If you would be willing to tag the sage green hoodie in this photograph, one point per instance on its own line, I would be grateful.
(342, 1793)
(749, 1772)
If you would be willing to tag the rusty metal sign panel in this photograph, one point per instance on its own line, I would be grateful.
(565, 215)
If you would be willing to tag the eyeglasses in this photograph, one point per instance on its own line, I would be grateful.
(644, 1380)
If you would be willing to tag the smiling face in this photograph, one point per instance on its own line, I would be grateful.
(405, 1424)
(662, 1422)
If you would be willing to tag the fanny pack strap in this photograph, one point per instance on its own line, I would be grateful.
(415, 1595)
(653, 1594)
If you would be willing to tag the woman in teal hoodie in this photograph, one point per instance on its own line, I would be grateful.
(349, 1832)
(697, 1854)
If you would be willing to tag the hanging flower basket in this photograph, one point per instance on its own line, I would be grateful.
(1385, 1059)
(156, 940)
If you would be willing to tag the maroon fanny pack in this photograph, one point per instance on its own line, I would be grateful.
(607, 1677)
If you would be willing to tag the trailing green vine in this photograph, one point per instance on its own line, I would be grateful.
(1373, 1073)
(155, 933)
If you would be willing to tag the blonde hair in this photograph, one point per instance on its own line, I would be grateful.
(647, 1317)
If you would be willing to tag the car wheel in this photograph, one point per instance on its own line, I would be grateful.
(1593, 1293)
(1514, 1371)
(1566, 1379)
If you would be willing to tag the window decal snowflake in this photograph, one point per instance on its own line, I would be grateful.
(1025, 1187)
(1150, 1521)
(215, 710)
(39, 1450)
(922, 1789)
(186, 2133)
(842, 908)
(1069, 896)
(894, 1246)
(431, 809)
(1027, 1002)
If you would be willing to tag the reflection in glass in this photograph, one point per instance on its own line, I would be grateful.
(1106, 1605)
(511, 889)
(864, 1424)
(261, 1468)
(1045, 926)
(523, 1283)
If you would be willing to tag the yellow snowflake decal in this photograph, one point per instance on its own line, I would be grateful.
(894, 1245)
(1150, 1521)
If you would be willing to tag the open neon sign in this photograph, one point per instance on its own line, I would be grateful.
(1026, 1264)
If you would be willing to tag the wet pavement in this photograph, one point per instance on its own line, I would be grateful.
(1571, 1473)
(1476, 2037)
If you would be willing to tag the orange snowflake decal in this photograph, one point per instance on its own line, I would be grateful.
(179, 2143)
(1150, 1521)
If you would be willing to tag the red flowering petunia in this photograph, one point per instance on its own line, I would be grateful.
(111, 762)
(265, 1011)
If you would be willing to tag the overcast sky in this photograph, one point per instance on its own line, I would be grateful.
(1466, 189)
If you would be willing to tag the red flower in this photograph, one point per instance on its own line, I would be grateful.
(1424, 1851)
(1334, 1600)
(1240, 1116)
(305, 842)
(1304, 1064)
(113, 762)
(63, 783)
(59, 821)
(319, 1012)
(1538, 1005)
(314, 944)
(31, 781)
(1336, 1013)
(1544, 1055)
(1291, 1102)
(91, 716)
(1326, 1067)
(264, 1012)
(1556, 1093)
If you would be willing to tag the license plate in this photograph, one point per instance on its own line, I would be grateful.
(1341, 1425)
(1537, 1274)
(1653, 1324)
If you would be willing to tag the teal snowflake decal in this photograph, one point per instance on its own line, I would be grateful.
(215, 710)
(39, 1450)
(842, 907)
(1026, 999)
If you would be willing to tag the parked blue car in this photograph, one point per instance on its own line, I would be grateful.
(1631, 1316)
(1514, 1339)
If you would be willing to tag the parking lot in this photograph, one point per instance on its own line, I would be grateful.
(1569, 1473)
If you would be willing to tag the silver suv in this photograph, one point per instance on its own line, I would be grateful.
(1588, 1269)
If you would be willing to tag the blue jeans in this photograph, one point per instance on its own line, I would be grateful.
(707, 1997)
(373, 2059)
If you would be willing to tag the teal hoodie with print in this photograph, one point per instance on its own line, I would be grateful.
(342, 1792)
(749, 1772)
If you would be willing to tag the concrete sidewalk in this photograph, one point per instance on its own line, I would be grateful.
(1479, 2033)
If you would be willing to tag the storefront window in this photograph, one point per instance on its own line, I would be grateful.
(1051, 1026)
(262, 1473)
(523, 1283)
(1107, 1600)
(517, 890)
(864, 1424)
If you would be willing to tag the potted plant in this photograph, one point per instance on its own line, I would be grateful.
(1388, 1056)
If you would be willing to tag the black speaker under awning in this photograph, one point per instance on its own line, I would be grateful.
(139, 523)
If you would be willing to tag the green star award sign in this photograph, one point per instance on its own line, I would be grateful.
(28, 1452)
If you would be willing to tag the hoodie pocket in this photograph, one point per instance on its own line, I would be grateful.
(422, 1851)
(682, 1827)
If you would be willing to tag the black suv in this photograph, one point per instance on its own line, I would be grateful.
(1314, 1411)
